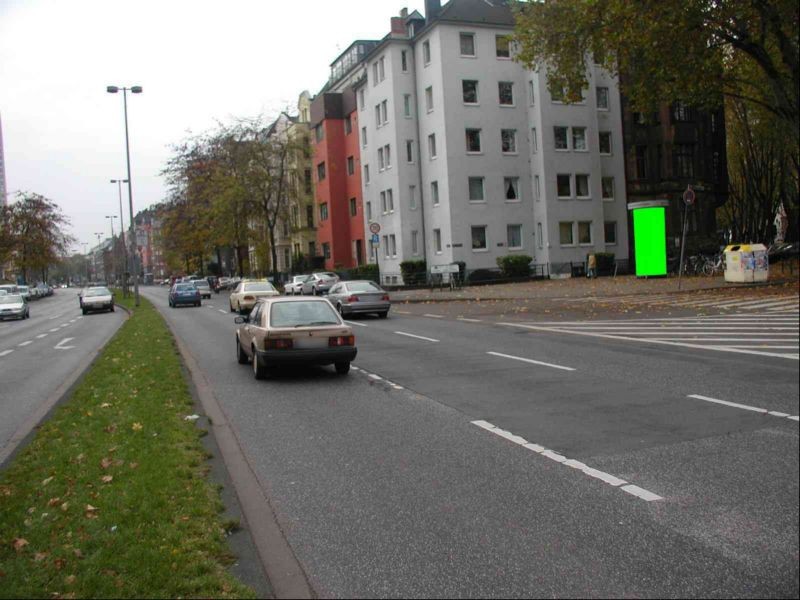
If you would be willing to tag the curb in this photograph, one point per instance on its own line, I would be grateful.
(284, 572)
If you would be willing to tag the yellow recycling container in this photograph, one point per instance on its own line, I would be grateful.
(746, 263)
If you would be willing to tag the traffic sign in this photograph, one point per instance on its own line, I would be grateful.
(689, 196)
(375, 228)
(376, 239)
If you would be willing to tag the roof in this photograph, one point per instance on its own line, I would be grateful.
(490, 12)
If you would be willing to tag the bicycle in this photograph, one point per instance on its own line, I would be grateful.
(713, 265)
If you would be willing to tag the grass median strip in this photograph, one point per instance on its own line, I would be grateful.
(111, 498)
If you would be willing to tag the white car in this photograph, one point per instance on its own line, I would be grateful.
(246, 294)
(320, 283)
(13, 306)
(205, 289)
(97, 298)
(295, 286)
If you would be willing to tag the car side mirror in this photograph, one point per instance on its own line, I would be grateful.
(240, 320)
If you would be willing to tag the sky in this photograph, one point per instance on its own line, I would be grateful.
(198, 62)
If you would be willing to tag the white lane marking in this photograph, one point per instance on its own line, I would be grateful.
(533, 362)
(23, 344)
(5, 352)
(650, 341)
(222, 311)
(795, 418)
(418, 337)
(354, 323)
(756, 409)
(43, 335)
(80, 317)
(73, 320)
(402, 312)
(61, 346)
(433, 316)
(375, 377)
(568, 462)
(765, 347)
(53, 330)
(469, 320)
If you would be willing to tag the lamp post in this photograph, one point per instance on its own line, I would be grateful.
(119, 183)
(85, 252)
(99, 236)
(113, 246)
(136, 89)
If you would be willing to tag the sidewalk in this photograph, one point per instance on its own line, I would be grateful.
(581, 287)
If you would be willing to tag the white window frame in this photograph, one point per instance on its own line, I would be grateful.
(393, 244)
(404, 61)
(482, 199)
(531, 93)
(429, 99)
(474, 54)
(432, 147)
(496, 39)
(466, 140)
(610, 143)
(364, 137)
(485, 228)
(513, 95)
(558, 192)
(537, 188)
(369, 211)
(435, 199)
(515, 181)
(407, 111)
(366, 174)
(437, 241)
(410, 152)
(387, 154)
(415, 243)
(534, 141)
(508, 237)
(426, 53)
(607, 98)
(588, 195)
(539, 236)
(381, 161)
(385, 112)
(390, 200)
(585, 140)
(555, 138)
(477, 92)
(603, 190)
(616, 233)
(412, 197)
(383, 202)
(515, 150)
(570, 244)
(591, 234)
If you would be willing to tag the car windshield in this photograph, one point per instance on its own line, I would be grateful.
(185, 287)
(22, 288)
(300, 278)
(326, 275)
(363, 286)
(259, 287)
(11, 299)
(97, 292)
(302, 314)
(201, 284)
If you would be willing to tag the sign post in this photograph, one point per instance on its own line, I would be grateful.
(688, 200)
(375, 229)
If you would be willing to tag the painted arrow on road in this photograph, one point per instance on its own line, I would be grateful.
(61, 346)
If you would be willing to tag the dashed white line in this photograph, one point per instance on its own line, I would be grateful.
(5, 353)
(23, 344)
(40, 336)
(54, 329)
(419, 337)
(756, 409)
(635, 490)
(402, 312)
(222, 311)
(469, 320)
(533, 362)
(354, 323)
(433, 316)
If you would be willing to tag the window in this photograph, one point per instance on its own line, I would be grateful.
(353, 207)
(514, 237)
(385, 111)
(602, 98)
(308, 183)
(579, 138)
(412, 197)
(508, 142)
(410, 151)
(386, 251)
(681, 113)
(387, 153)
(326, 250)
(582, 186)
(502, 45)
(641, 162)
(366, 174)
(404, 61)
(390, 200)
(437, 241)
(361, 100)
(384, 209)
(511, 187)
(415, 242)
(348, 126)
(378, 115)
(319, 133)
(351, 165)
(608, 189)
(432, 145)
(506, 92)
(605, 142)
(382, 68)
(537, 188)
(531, 93)
(374, 74)
(321, 171)
(683, 160)
(381, 161)
(539, 238)
(312, 248)
(426, 52)
(562, 143)
(393, 244)
(429, 99)
(369, 211)
(476, 189)
(534, 141)
(585, 233)
(564, 186)
(435, 193)
(479, 237)
(364, 137)
(407, 105)
(610, 229)
(558, 95)
(467, 41)
(469, 91)
(310, 216)
(323, 212)
(473, 140)
(565, 236)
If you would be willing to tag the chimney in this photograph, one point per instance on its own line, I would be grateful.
(432, 9)
(403, 13)
(398, 27)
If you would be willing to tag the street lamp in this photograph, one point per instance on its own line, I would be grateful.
(113, 245)
(99, 236)
(85, 252)
(119, 183)
(136, 89)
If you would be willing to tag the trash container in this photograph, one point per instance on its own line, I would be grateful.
(746, 263)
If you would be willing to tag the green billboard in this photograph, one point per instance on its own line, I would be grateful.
(650, 241)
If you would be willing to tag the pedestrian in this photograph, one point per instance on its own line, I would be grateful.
(591, 272)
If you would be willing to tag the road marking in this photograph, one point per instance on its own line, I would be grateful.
(43, 335)
(469, 320)
(61, 346)
(607, 478)
(23, 344)
(73, 320)
(756, 409)
(419, 337)
(533, 362)
(402, 312)
(54, 330)
(222, 311)
(354, 323)
(434, 316)
(5, 353)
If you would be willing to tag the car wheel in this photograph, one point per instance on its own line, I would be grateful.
(84, 311)
(313, 291)
(342, 368)
(384, 314)
(231, 305)
(112, 309)
(259, 369)
(339, 308)
(241, 357)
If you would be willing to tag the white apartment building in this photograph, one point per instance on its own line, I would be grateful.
(467, 157)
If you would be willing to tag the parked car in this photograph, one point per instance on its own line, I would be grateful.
(294, 287)
(294, 331)
(319, 283)
(184, 293)
(25, 292)
(359, 297)
(3, 292)
(13, 306)
(246, 294)
(205, 289)
(9, 289)
(97, 298)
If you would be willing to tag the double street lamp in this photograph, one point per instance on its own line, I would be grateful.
(136, 89)
(119, 183)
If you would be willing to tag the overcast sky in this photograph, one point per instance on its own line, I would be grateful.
(198, 62)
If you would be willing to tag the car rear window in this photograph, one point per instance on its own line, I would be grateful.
(185, 287)
(299, 314)
(259, 287)
(97, 292)
(363, 286)
(201, 284)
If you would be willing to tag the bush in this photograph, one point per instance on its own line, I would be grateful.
(414, 271)
(515, 265)
(605, 262)
(365, 272)
(484, 275)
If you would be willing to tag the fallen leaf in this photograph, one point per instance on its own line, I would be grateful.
(46, 481)
(64, 506)
(91, 512)
(136, 426)
(53, 501)
(19, 544)
(77, 552)
(105, 463)
(107, 478)
(105, 405)
(39, 556)
(134, 465)
(69, 580)
(59, 563)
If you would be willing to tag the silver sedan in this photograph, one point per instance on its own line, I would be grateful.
(359, 297)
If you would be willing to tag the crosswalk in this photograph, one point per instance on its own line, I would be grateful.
(726, 303)
(763, 334)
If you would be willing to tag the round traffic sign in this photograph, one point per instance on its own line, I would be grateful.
(374, 227)
(688, 196)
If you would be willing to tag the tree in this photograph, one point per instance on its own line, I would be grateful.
(35, 226)
(669, 50)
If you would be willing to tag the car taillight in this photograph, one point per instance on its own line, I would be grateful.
(278, 344)
(249, 298)
(385, 298)
(342, 340)
(352, 299)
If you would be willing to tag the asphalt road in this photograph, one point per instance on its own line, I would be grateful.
(39, 354)
(645, 470)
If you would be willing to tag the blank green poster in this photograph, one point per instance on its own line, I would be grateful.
(650, 239)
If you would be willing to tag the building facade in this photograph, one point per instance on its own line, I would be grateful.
(3, 185)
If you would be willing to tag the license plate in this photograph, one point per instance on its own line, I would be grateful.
(311, 342)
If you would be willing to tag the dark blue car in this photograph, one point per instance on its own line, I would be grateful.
(184, 293)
